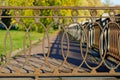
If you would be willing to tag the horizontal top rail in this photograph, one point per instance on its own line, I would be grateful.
(62, 7)
(57, 17)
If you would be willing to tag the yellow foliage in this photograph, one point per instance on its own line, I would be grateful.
(55, 3)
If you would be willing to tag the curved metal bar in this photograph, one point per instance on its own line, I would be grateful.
(117, 25)
(94, 68)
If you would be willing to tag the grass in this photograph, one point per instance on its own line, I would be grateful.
(17, 39)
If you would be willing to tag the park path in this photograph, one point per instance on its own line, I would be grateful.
(37, 59)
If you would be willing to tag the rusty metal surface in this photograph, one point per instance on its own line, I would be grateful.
(61, 7)
(71, 51)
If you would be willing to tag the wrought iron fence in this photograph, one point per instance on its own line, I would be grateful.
(80, 48)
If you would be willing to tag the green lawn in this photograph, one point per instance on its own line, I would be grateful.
(17, 39)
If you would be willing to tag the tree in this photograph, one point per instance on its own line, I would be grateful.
(6, 21)
(47, 21)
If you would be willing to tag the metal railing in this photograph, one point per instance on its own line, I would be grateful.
(89, 48)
